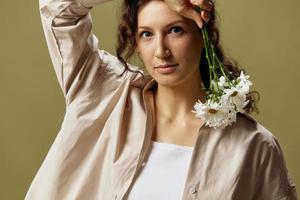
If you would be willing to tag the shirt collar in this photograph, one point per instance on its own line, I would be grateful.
(150, 85)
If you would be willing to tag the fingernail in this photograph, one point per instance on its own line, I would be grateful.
(200, 24)
(194, 1)
(206, 16)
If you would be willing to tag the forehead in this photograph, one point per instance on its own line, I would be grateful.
(157, 12)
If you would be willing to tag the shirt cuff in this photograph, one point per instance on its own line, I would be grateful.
(91, 3)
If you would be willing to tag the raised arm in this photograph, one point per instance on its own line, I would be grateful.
(73, 47)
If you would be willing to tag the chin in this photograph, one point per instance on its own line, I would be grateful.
(168, 80)
(173, 78)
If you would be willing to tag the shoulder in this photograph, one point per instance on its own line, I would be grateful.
(247, 128)
(263, 147)
(115, 66)
(267, 158)
(273, 179)
(136, 75)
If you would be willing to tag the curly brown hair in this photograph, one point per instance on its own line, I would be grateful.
(126, 46)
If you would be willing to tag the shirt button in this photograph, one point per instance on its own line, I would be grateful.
(193, 190)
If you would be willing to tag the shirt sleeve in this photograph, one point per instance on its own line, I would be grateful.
(72, 45)
(274, 181)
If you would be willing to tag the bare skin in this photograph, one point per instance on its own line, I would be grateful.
(179, 43)
(175, 123)
(186, 9)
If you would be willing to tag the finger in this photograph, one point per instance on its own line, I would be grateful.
(205, 15)
(192, 14)
(203, 4)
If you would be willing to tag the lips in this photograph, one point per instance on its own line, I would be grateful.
(166, 69)
(165, 66)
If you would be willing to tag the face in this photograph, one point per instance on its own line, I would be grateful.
(164, 37)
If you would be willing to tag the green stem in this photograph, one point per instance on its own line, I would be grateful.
(205, 39)
(212, 55)
(223, 67)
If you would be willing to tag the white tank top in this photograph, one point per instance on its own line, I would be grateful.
(163, 174)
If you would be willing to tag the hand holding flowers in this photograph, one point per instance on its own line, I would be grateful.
(226, 94)
(187, 9)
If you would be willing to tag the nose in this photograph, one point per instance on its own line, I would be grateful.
(161, 50)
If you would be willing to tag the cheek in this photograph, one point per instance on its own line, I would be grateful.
(146, 53)
(196, 45)
(195, 42)
(145, 57)
(190, 50)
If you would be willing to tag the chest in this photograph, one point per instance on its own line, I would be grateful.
(163, 174)
(218, 168)
(184, 135)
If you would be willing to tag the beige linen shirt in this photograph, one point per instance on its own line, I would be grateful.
(109, 119)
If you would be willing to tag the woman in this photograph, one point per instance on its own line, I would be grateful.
(130, 136)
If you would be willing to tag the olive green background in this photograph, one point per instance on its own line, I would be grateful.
(262, 35)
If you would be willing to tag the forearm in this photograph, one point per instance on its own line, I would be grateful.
(55, 8)
(68, 32)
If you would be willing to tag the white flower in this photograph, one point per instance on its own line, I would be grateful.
(214, 114)
(236, 97)
(243, 83)
(232, 98)
(244, 78)
(231, 116)
(223, 83)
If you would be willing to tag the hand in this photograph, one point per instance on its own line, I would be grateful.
(186, 8)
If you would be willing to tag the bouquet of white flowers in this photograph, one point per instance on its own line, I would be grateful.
(226, 94)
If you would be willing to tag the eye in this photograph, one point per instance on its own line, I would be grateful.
(145, 34)
(177, 29)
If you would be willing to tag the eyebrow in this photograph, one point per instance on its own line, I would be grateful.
(170, 24)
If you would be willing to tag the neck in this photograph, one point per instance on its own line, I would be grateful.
(175, 103)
